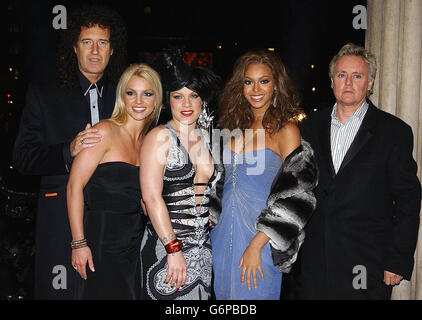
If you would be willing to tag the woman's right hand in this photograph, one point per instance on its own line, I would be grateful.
(177, 269)
(79, 259)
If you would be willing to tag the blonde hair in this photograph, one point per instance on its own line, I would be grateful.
(119, 115)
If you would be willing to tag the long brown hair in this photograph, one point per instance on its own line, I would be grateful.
(234, 109)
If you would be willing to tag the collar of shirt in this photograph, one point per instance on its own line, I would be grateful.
(86, 85)
(358, 114)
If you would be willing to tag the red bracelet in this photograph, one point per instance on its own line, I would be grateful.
(173, 246)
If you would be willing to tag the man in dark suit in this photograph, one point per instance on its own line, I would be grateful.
(56, 125)
(362, 236)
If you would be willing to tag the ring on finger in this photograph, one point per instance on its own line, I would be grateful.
(76, 267)
(82, 141)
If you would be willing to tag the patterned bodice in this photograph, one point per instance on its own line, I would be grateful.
(188, 218)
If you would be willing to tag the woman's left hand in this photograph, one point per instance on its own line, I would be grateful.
(250, 263)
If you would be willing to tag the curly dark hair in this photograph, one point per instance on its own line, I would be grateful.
(235, 111)
(89, 16)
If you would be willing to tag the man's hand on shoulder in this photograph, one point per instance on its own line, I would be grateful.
(84, 139)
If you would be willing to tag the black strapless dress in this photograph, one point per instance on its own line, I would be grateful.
(114, 224)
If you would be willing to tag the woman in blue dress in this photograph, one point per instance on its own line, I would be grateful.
(256, 237)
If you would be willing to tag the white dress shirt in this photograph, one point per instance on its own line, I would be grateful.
(343, 134)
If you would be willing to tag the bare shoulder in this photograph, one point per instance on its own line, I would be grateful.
(156, 132)
(157, 137)
(155, 148)
(110, 133)
(106, 128)
(288, 139)
(290, 130)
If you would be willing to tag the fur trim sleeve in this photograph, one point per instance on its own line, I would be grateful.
(215, 196)
(289, 206)
(216, 192)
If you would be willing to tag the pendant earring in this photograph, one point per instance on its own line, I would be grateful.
(205, 118)
(205, 121)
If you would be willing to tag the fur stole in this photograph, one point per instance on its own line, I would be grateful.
(289, 206)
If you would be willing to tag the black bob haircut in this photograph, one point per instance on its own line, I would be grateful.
(176, 74)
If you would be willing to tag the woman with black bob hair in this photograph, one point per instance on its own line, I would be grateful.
(178, 176)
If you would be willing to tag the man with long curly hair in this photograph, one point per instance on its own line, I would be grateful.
(56, 126)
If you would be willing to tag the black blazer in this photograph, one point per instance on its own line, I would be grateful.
(367, 214)
(50, 121)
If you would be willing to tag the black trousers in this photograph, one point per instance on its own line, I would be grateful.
(54, 275)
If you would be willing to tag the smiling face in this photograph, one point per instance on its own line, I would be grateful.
(185, 106)
(139, 98)
(350, 81)
(93, 51)
(258, 87)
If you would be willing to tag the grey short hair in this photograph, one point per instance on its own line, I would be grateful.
(352, 49)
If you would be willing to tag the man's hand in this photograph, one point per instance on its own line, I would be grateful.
(84, 139)
(392, 278)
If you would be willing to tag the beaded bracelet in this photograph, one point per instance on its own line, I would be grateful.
(174, 246)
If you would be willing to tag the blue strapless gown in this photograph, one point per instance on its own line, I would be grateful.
(246, 189)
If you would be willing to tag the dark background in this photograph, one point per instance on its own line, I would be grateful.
(302, 32)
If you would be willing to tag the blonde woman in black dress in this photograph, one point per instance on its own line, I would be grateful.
(107, 234)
